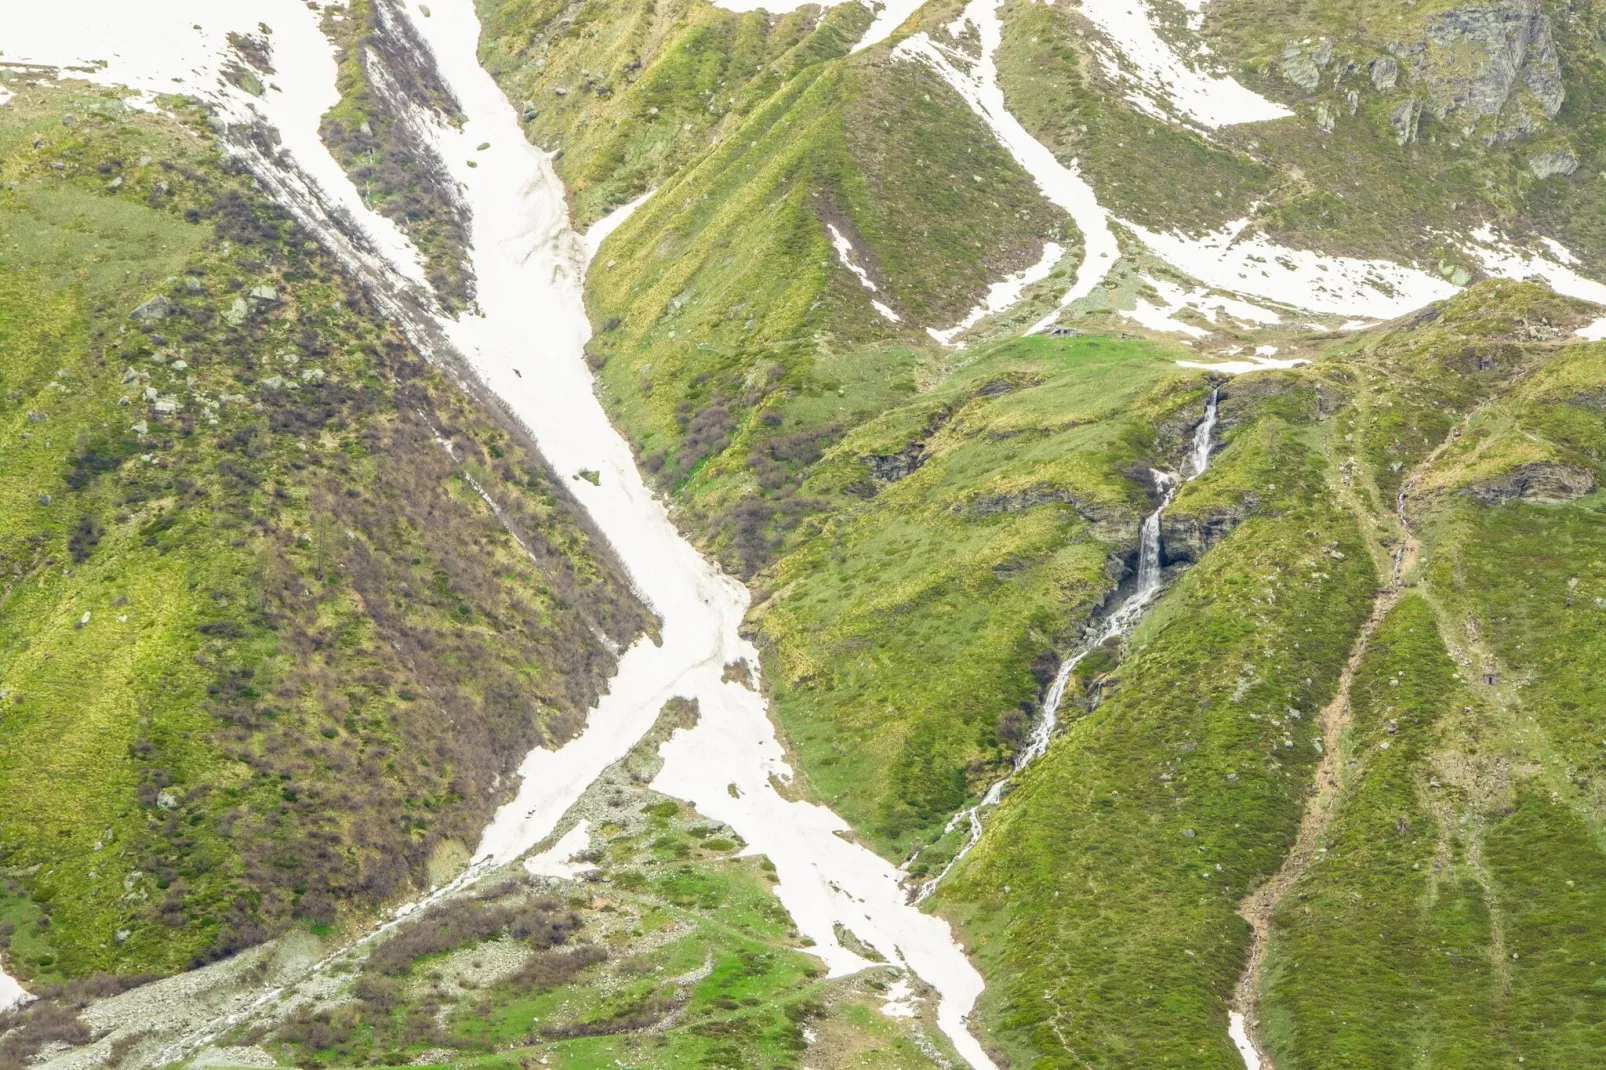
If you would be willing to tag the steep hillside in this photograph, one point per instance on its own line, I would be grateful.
(1154, 452)
(269, 653)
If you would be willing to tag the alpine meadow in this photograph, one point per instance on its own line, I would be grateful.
(976, 534)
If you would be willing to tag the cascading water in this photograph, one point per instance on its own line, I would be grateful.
(1150, 581)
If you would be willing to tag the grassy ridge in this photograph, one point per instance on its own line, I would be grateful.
(911, 633)
(1101, 902)
(265, 656)
(1385, 953)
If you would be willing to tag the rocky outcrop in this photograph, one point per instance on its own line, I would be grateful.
(891, 467)
(1544, 483)
(1490, 69)
(1550, 164)
(1109, 524)
(153, 309)
(1184, 537)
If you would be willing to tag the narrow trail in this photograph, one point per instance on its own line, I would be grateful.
(1333, 721)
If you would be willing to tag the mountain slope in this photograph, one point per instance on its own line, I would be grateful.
(251, 583)
(950, 338)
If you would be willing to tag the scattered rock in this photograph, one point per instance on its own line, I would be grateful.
(1385, 73)
(1404, 119)
(1549, 164)
(152, 309)
(1300, 68)
(891, 467)
(236, 313)
(166, 800)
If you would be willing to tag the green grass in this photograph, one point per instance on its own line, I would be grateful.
(217, 622)
(1384, 952)
(912, 620)
(1101, 902)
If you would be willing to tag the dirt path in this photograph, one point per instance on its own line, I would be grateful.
(1258, 907)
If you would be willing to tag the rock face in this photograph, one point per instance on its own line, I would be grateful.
(1385, 73)
(1403, 118)
(1107, 524)
(1184, 537)
(1300, 68)
(1544, 483)
(1490, 69)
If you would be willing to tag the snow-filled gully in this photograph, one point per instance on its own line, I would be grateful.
(530, 267)
(1118, 623)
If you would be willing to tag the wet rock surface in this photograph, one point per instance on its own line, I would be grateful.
(1543, 483)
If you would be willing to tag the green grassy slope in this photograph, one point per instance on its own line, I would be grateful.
(1101, 901)
(1454, 916)
(265, 656)
(911, 631)
(926, 531)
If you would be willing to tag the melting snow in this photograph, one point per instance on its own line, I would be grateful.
(180, 46)
(593, 238)
(1062, 185)
(1240, 367)
(11, 993)
(844, 252)
(1175, 299)
(1252, 264)
(1143, 57)
(558, 860)
(1500, 257)
(1240, 1037)
(1594, 332)
(1001, 295)
(890, 15)
(900, 1001)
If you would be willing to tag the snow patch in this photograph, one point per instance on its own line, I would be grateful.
(890, 14)
(1175, 299)
(1002, 295)
(181, 46)
(1499, 257)
(1240, 367)
(558, 860)
(11, 993)
(1158, 76)
(901, 1000)
(1239, 1033)
(1251, 264)
(844, 253)
(1594, 332)
(593, 238)
(1062, 185)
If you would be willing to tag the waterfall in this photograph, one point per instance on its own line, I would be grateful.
(1203, 434)
(1121, 621)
